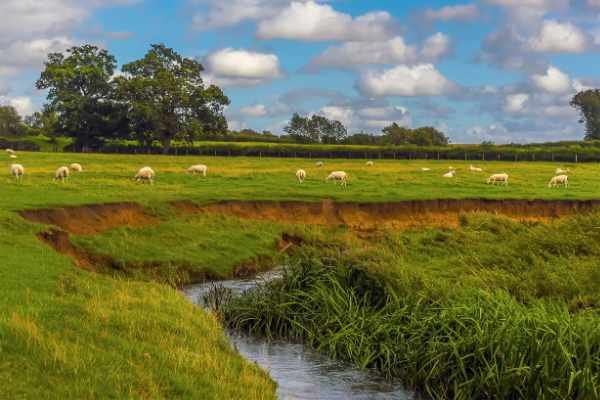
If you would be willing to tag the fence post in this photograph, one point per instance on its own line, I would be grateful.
(576, 158)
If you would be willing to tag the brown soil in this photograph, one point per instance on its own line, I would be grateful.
(59, 241)
(92, 219)
(398, 215)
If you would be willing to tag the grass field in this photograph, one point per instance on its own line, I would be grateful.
(66, 332)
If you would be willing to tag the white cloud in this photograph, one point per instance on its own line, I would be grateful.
(337, 113)
(23, 105)
(552, 81)
(419, 80)
(435, 47)
(30, 54)
(233, 67)
(515, 103)
(461, 12)
(221, 14)
(373, 118)
(556, 37)
(257, 110)
(311, 21)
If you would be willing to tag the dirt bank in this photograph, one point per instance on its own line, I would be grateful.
(397, 215)
(92, 219)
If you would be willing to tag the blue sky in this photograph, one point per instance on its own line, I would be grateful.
(500, 70)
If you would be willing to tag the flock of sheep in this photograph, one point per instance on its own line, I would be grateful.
(147, 174)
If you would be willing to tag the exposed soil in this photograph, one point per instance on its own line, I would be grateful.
(398, 215)
(59, 241)
(92, 219)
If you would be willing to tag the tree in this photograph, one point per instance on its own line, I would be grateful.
(80, 92)
(11, 123)
(425, 136)
(167, 99)
(588, 104)
(43, 123)
(316, 129)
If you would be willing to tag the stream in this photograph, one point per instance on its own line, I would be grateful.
(300, 372)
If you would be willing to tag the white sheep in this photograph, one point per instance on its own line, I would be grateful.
(10, 151)
(339, 176)
(13, 156)
(370, 163)
(560, 180)
(425, 169)
(301, 175)
(562, 171)
(75, 167)
(17, 171)
(498, 179)
(198, 169)
(450, 174)
(319, 164)
(61, 174)
(472, 168)
(145, 174)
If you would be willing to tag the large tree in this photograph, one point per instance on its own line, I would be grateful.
(315, 129)
(167, 99)
(81, 94)
(11, 123)
(425, 136)
(588, 104)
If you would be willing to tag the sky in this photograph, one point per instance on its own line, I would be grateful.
(486, 70)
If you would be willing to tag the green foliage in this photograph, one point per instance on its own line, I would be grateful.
(315, 129)
(80, 92)
(496, 309)
(167, 98)
(11, 123)
(588, 104)
(425, 136)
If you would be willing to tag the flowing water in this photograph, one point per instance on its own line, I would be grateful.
(300, 372)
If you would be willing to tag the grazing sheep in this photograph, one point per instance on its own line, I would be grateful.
(560, 180)
(319, 164)
(475, 169)
(17, 171)
(198, 169)
(562, 171)
(145, 174)
(450, 174)
(370, 163)
(301, 175)
(501, 179)
(10, 151)
(338, 176)
(425, 169)
(13, 156)
(61, 174)
(75, 167)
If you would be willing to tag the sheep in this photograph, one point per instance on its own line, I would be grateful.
(10, 151)
(75, 167)
(475, 169)
(562, 171)
(61, 174)
(145, 174)
(498, 178)
(301, 175)
(13, 156)
(370, 163)
(560, 180)
(450, 174)
(17, 171)
(319, 164)
(198, 169)
(338, 176)
(424, 169)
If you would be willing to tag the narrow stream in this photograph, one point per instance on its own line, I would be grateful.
(301, 373)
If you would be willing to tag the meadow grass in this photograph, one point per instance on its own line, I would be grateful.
(68, 333)
(494, 309)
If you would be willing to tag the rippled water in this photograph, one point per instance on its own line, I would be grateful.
(300, 372)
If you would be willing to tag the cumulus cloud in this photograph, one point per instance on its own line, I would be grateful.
(556, 37)
(515, 103)
(221, 14)
(418, 80)
(311, 21)
(552, 81)
(435, 47)
(23, 105)
(26, 54)
(238, 67)
(460, 12)
(358, 116)
(256, 110)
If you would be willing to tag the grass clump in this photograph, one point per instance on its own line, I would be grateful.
(510, 325)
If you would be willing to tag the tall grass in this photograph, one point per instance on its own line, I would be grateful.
(470, 341)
